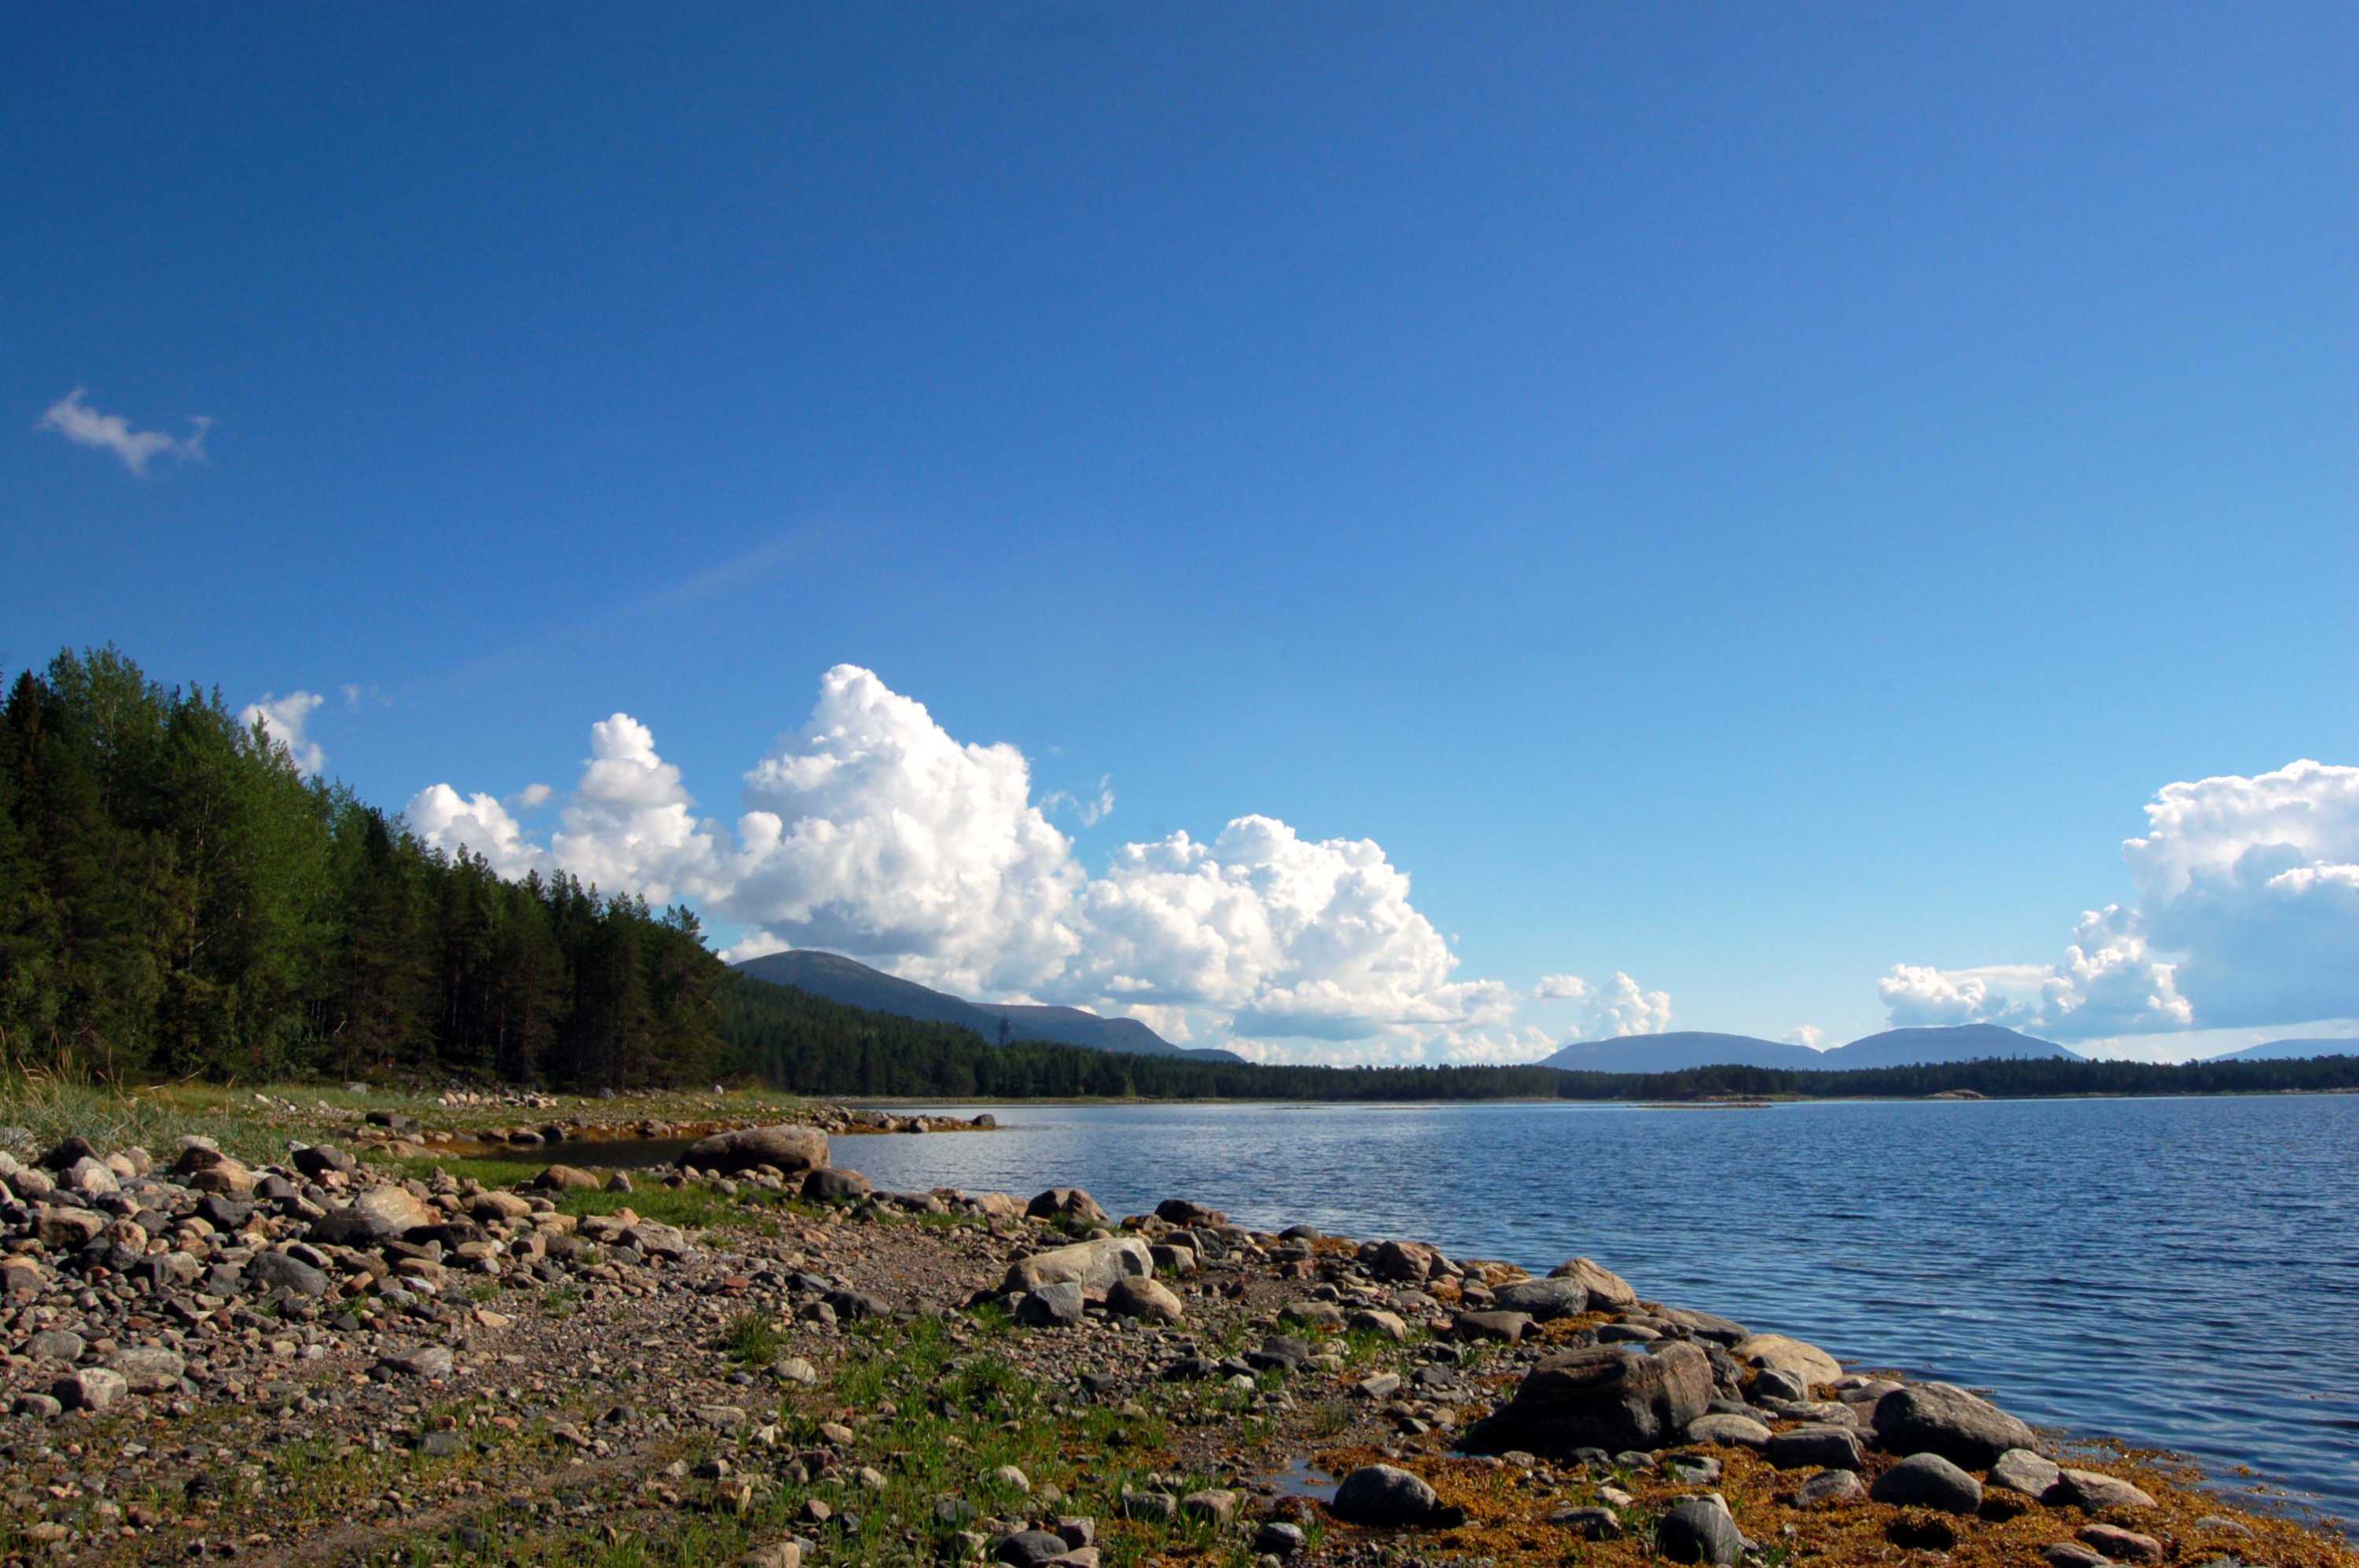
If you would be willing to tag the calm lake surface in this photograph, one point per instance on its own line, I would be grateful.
(2179, 1273)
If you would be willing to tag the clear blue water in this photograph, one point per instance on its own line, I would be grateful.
(2181, 1274)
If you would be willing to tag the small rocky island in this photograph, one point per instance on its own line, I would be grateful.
(754, 1357)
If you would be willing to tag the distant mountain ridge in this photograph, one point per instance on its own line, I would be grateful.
(1680, 1050)
(1685, 1048)
(1956, 1043)
(2292, 1050)
(847, 980)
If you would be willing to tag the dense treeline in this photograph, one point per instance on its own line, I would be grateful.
(176, 899)
(800, 1042)
(2007, 1079)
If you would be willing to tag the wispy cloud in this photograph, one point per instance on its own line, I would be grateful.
(1091, 811)
(72, 418)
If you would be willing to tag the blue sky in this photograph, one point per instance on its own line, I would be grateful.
(1734, 500)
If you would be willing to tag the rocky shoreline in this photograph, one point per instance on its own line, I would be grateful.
(756, 1357)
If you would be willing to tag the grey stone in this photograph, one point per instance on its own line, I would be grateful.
(1699, 1529)
(1213, 1506)
(2021, 1470)
(1384, 1495)
(1792, 1356)
(2072, 1554)
(1029, 1548)
(1589, 1523)
(321, 1159)
(1279, 1539)
(426, 1361)
(2094, 1491)
(1089, 1265)
(273, 1271)
(381, 1213)
(1736, 1431)
(1704, 1325)
(1820, 1447)
(1607, 1398)
(788, 1147)
(93, 1388)
(1606, 1288)
(1155, 1507)
(46, 1406)
(826, 1185)
(1928, 1480)
(1829, 1488)
(668, 1242)
(1143, 1298)
(1940, 1418)
(1508, 1328)
(1051, 1306)
(1543, 1301)
(2124, 1545)
(56, 1345)
(148, 1369)
(1691, 1469)
(1066, 1203)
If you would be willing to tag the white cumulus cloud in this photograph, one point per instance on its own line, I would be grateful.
(2248, 914)
(1609, 1008)
(630, 825)
(443, 819)
(872, 831)
(72, 418)
(283, 719)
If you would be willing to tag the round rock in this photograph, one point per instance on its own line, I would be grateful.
(1929, 1481)
(1383, 1495)
(1699, 1529)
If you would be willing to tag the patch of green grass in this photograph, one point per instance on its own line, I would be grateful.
(752, 1340)
(50, 1107)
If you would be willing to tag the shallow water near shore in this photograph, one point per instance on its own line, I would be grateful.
(2178, 1273)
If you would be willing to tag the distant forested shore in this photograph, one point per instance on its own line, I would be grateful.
(178, 900)
(795, 1040)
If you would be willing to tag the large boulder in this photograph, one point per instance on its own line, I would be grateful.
(1777, 1353)
(381, 1213)
(1094, 1266)
(1386, 1496)
(1543, 1301)
(1941, 1417)
(1608, 1397)
(788, 1147)
(1606, 1288)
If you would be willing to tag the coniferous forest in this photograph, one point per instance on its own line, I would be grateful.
(178, 900)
